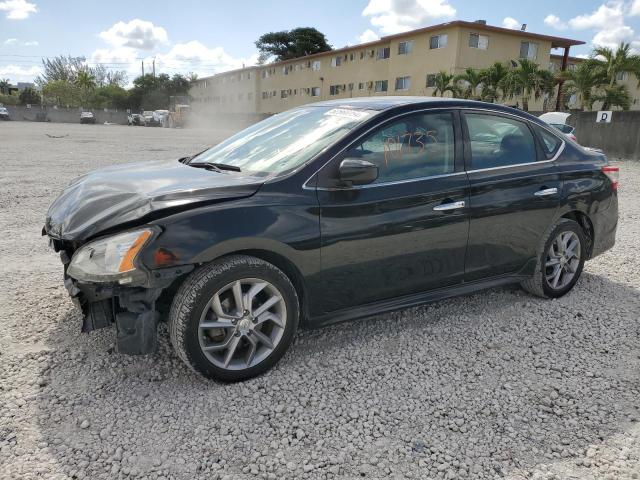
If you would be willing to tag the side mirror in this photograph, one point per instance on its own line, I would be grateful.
(357, 172)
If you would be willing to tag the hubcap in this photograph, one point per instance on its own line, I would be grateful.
(563, 260)
(242, 324)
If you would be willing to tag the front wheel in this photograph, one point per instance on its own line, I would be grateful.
(560, 261)
(234, 318)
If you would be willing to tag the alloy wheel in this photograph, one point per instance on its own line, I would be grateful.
(242, 324)
(563, 260)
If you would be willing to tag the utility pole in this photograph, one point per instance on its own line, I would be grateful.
(154, 67)
(143, 68)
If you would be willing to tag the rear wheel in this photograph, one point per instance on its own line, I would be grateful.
(234, 319)
(560, 261)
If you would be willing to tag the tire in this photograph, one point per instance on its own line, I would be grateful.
(541, 284)
(195, 306)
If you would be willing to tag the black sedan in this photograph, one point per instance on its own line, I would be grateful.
(325, 213)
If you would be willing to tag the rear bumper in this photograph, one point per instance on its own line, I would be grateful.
(605, 224)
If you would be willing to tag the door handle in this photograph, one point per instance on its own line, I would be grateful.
(545, 192)
(449, 206)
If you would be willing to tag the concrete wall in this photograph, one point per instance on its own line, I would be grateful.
(618, 139)
(62, 115)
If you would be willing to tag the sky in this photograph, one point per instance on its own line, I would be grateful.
(207, 37)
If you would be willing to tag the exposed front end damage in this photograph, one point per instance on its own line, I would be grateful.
(133, 309)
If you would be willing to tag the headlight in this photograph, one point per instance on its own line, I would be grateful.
(110, 259)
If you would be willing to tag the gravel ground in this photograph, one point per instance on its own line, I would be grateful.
(494, 385)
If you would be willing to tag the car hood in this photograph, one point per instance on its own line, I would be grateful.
(112, 196)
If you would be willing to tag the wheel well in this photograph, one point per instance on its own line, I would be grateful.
(289, 269)
(583, 220)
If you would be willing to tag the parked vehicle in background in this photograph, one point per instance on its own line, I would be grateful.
(87, 117)
(179, 111)
(558, 120)
(4, 114)
(328, 212)
(135, 119)
(159, 117)
(147, 116)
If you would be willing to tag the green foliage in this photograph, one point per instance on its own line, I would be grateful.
(61, 93)
(4, 86)
(152, 93)
(469, 83)
(288, 44)
(110, 96)
(492, 82)
(9, 99)
(528, 80)
(444, 83)
(29, 96)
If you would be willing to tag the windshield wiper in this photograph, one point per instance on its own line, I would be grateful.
(216, 167)
(223, 166)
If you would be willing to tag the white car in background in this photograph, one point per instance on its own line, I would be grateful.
(558, 120)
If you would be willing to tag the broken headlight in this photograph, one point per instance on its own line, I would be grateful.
(110, 259)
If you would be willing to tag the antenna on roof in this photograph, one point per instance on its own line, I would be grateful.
(523, 28)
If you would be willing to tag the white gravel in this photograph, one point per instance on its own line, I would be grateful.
(495, 385)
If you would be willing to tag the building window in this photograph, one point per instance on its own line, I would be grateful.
(336, 61)
(403, 83)
(529, 50)
(361, 86)
(438, 41)
(248, 75)
(362, 54)
(553, 67)
(572, 66)
(315, 65)
(315, 91)
(431, 80)
(381, 86)
(351, 57)
(405, 48)
(283, 94)
(334, 89)
(383, 53)
(350, 87)
(478, 41)
(621, 76)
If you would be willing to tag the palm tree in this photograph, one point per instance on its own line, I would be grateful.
(582, 82)
(612, 63)
(85, 80)
(4, 86)
(613, 96)
(444, 83)
(469, 82)
(528, 80)
(492, 86)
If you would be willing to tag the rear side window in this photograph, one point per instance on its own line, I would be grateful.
(550, 143)
(416, 146)
(499, 141)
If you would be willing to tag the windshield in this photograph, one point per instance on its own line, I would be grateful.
(285, 141)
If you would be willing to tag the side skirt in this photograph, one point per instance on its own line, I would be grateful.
(406, 301)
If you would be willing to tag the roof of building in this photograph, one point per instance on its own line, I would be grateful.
(556, 42)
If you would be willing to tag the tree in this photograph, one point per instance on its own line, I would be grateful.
(61, 93)
(612, 63)
(110, 96)
(582, 82)
(60, 68)
(288, 44)
(4, 86)
(444, 83)
(613, 96)
(493, 82)
(469, 82)
(29, 96)
(528, 80)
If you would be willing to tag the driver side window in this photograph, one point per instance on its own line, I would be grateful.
(416, 146)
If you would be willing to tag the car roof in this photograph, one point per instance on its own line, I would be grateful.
(391, 102)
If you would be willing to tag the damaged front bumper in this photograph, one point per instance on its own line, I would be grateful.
(131, 308)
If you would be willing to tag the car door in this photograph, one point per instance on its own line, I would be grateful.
(407, 231)
(514, 192)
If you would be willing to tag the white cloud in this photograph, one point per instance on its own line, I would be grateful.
(11, 41)
(395, 16)
(31, 43)
(512, 23)
(554, 22)
(609, 22)
(368, 36)
(18, 9)
(136, 33)
(634, 10)
(195, 57)
(17, 73)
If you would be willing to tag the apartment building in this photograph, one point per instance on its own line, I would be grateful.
(402, 64)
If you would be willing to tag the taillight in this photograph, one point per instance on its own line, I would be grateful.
(573, 137)
(614, 175)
